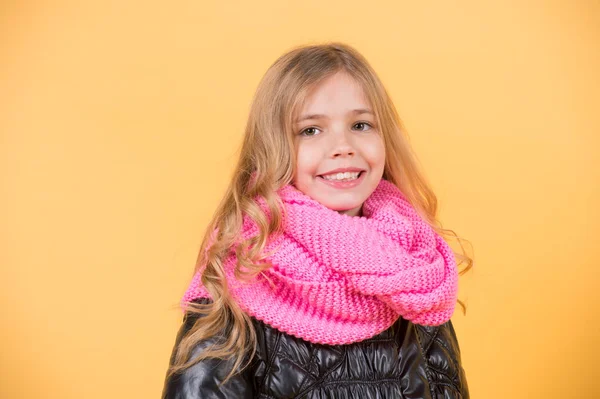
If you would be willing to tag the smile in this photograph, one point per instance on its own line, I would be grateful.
(345, 176)
(343, 180)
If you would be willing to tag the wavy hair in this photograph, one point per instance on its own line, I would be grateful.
(266, 163)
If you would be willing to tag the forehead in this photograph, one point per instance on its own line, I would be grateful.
(338, 95)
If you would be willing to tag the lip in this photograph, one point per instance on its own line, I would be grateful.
(343, 184)
(342, 170)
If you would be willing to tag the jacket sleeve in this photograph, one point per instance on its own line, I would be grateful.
(202, 379)
(442, 351)
(442, 363)
(461, 375)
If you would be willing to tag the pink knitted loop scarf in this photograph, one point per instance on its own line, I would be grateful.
(337, 279)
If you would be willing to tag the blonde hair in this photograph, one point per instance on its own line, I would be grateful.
(268, 153)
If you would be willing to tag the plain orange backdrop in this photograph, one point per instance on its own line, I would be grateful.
(120, 122)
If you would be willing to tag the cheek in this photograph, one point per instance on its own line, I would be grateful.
(307, 162)
(375, 152)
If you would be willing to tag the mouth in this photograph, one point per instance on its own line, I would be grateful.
(360, 174)
(345, 183)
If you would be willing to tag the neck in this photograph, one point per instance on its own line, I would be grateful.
(353, 212)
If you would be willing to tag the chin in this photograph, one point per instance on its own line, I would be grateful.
(342, 208)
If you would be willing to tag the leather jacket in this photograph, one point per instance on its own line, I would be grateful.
(405, 361)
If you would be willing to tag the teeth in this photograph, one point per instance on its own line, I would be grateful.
(342, 176)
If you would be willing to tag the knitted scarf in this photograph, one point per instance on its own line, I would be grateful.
(337, 279)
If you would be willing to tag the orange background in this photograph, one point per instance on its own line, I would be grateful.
(119, 126)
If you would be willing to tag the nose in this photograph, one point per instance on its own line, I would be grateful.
(342, 146)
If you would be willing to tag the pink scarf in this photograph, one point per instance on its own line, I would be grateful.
(337, 279)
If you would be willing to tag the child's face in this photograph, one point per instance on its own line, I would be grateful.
(339, 138)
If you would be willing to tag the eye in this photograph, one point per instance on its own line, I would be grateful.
(364, 123)
(306, 130)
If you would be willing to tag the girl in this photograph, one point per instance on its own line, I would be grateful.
(323, 273)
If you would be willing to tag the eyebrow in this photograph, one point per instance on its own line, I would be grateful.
(321, 116)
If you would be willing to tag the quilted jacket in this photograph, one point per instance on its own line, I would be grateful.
(405, 361)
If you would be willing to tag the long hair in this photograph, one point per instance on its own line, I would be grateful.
(266, 163)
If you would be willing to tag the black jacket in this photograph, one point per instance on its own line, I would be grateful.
(405, 361)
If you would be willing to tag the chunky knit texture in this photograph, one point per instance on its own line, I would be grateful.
(338, 279)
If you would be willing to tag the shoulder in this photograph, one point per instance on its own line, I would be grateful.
(205, 378)
(438, 351)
